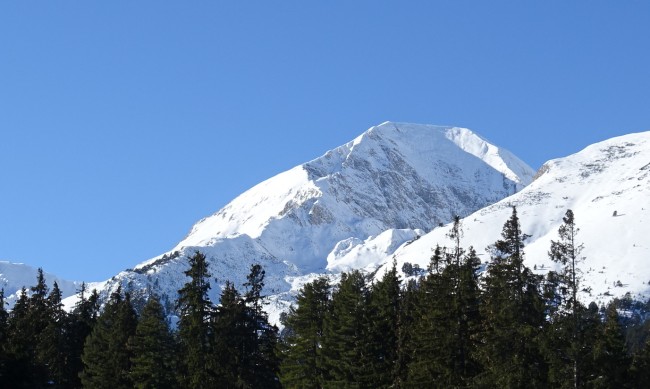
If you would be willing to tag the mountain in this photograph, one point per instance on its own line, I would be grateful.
(13, 276)
(607, 185)
(309, 219)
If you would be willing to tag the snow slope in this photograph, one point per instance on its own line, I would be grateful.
(604, 178)
(13, 276)
(406, 178)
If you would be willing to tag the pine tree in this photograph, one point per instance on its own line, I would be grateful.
(405, 327)
(302, 361)
(106, 357)
(431, 338)
(640, 370)
(448, 317)
(4, 335)
(26, 323)
(228, 323)
(512, 316)
(260, 366)
(51, 348)
(153, 350)
(610, 354)
(383, 337)
(345, 342)
(79, 326)
(563, 334)
(19, 367)
(194, 329)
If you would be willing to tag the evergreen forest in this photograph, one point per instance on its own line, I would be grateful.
(459, 323)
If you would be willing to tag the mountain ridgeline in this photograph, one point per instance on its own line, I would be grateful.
(394, 176)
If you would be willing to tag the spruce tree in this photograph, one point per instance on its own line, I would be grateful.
(4, 353)
(345, 343)
(564, 353)
(610, 354)
(194, 329)
(19, 367)
(260, 365)
(448, 318)
(302, 361)
(153, 351)
(79, 326)
(228, 323)
(512, 316)
(51, 349)
(383, 337)
(431, 338)
(106, 357)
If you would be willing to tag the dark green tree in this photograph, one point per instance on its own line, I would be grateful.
(260, 364)
(611, 359)
(640, 370)
(431, 338)
(345, 344)
(106, 357)
(302, 361)
(512, 313)
(564, 346)
(51, 349)
(153, 356)
(80, 323)
(448, 317)
(194, 328)
(4, 335)
(383, 330)
(229, 329)
(19, 366)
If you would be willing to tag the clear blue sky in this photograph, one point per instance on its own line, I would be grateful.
(124, 122)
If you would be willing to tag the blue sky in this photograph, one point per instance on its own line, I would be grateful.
(124, 122)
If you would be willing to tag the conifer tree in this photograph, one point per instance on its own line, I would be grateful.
(4, 353)
(106, 357)
(19, 368)
(194, 329)
(79, 326)
(430, 339)
(51, 348)
(260, 365)
(383, 337)
(610, 354)
(565, 309)
(640, 370)
(302, 361)
(153, 352)
(512, 316)
(228, 323)
(405, 327)
(448, 317)
(25, 325)
(345, 343)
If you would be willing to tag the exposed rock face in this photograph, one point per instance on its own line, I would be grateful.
(393, 176)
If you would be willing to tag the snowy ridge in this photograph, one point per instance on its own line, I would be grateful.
(13, 276)
(350, 207)
(607, 185)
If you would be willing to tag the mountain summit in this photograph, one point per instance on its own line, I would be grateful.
(402, 176)
(606, 185)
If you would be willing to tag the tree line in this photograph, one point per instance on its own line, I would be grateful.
(458, 325)
(231, 345)
(463, 326)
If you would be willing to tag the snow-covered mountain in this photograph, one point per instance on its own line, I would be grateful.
(607, 185)
(393, 183)
(13, 276)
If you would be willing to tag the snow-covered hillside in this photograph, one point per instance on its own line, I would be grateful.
(13, 276)
(312, 218)
(607, 185)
